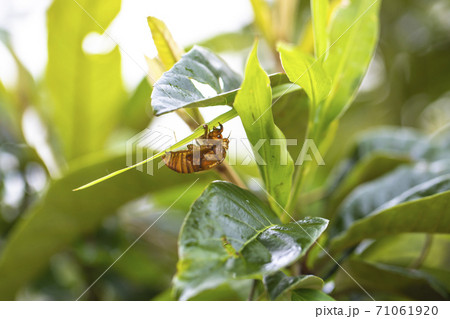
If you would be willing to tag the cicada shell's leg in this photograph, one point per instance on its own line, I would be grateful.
(205, 126)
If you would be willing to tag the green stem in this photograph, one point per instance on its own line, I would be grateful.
(424, 253)
(252, 290)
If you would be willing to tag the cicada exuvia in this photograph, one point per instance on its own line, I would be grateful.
(210, 152)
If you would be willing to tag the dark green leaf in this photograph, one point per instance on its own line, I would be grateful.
(230, 234)
(370, 196)
(398, 281)
(376, 152)
(420, 209)
(278, 283)
(310, 295)
(429, 253)
(402, 142)
(175, 88)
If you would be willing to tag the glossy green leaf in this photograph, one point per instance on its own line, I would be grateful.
(396, 141)
(353, 34)
(168, 50)
(420, 209)
(278, 283)
(176, 89)
(86, 90)
(392, 282)
(61, 216)
(365, 170)
(254, 105)
(392, 142)
(230, 234)
(307, 72)
(319, 16)
(370, 196)
(310, 295)
(375, 153)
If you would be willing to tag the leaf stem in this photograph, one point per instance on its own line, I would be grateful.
(252, 290)
(424, 253)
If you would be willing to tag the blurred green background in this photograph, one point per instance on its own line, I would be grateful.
(67, 124)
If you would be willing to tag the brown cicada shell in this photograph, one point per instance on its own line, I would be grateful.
(210, 153)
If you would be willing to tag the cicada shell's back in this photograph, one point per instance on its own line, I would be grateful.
(211, 153)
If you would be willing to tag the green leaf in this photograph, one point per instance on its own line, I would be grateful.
(61, 216)
(429, 253)
(319, 15)
(368, 197)
(254, 105)
(230, 234)
(307, 72)
(278, 283)
(86, 90)
(280, 88)
(230, 41)
(420, 209)
(397, 281)
(175, 89)
(353, 36)
(223, 118)
(367, 169)
(136, 113)
(168, 51)
(310, 295)
(396, 141)
(263, 20)
(376, 152)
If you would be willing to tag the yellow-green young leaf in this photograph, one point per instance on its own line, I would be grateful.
(253, 103)
(168, 51)
(353, 36)
(263, 19)
(319, 14)
(155, 69)
(304, 70)
(86, 90)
